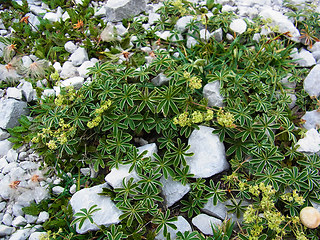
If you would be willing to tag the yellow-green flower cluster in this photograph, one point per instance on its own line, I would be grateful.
(186, 119)
(62, 99)
(98, 112)
(179, 6)
(55, 136)
(193, 82)
(274, 219)
(55, 76)
(294, 196)
(225, 119)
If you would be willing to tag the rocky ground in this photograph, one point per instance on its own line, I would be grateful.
(21, 180)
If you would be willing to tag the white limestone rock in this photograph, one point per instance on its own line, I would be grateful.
(203, 222)
(33, 20)
(79, 56)
(40, 193)
(7, 219)
(211, 91)
(204, 35)
(3, 134)
(114, 178)
(315, 47)
(221, 210)
(191, 41)
(238, 26)
(19, 221)
(14, 93)
(217, 34)
(282, 22)
(173, 191)
(53, 17)
(28, 92)
(83, 69)
(311, 83)
(68, 70)
(310, 143)
(118, 10)
(75, 82)
(182, 226)
(182, 23)
(70, 47)
(2, 205)
(10, 111)
(304, 58)
(153, 17)
(48, 93)
(5, 230)
(43, 217)
(312, 119)
(30, 219)
(20, 234)
(57, 190)
(5, 146)
(209, 153)
(37, 235)
(86, 198)
(57, 67)
(12, 155)
(160, 79)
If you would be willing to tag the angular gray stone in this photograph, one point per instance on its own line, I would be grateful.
(86, 198)
(5, 230)
(311, 83)
(68, 70)
(209, 153)
(10, 111)
(3, 134)
(203, 222)
(79, 56)
(28, 92)
(312, 119)
(15, 93)
(75, 82)
(5, 146)
(173, 191)
(19, 221)
(37, 235)
(20, 234)
(182, 23)
(310, 143)
(70, 47)
(118, 10)
(182, 226)
(43, 216)
(211, 91)
(83, 69)
(221, 210)
(239, 26)
(160, 79)
(114, 178)
(217, 34)
(304, 58)
(282, 22)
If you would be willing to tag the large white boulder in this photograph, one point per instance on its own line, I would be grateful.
(116, 175)
(10, 111)
(281, 22)
(310, 143)
(75, 82)
(204, 222)
(238, 26)
(173, 191)
(312, 119)
(86, 198)
(116, 10)
(79, 56)
(304, 58)
(311, 82)
(209, 153)
(211, 91)
(182, 226)
(68, 70)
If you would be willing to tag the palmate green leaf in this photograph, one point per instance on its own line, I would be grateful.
(294, 179)
(163, 220)
(162, 165)
(167, 99)
(132, 212)
(178, 152)
(271, 176)
(183, 175)
(215, 192)
(118, 143)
